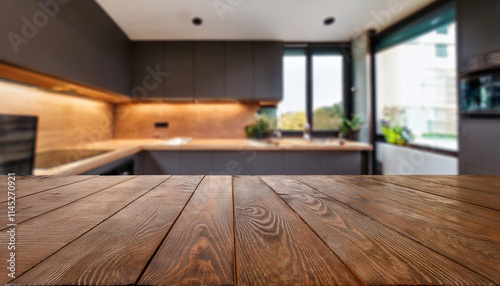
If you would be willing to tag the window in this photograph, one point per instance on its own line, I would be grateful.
(327, 91)
(292, 109)
(441, 50)
(416, 88)
(323, 103)
(442, 30)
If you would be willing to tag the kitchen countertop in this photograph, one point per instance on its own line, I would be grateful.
(255, 230)
(121, 148)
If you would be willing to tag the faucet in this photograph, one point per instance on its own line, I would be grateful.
(307, 131)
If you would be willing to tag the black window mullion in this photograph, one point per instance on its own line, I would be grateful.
(309, 87)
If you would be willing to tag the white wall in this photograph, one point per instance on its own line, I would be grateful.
(401, 160)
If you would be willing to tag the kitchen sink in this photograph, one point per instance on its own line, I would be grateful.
(294, 142)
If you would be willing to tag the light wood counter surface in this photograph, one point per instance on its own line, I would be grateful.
(121, 148)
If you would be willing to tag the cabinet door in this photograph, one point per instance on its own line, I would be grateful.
(209, 70)
(147, 59)
(196, 163)
(268, 71)
(239, 70)
(179, 63)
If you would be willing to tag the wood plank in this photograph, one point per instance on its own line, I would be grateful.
(490, 184)
(29, 185)
(449, 209)
(275, 247)
(29, 207)
(199, 248)
(116, 251)
(485, 199)
(39, 238)
(418, 215)
(376, 253)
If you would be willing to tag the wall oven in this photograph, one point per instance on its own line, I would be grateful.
(480, 94)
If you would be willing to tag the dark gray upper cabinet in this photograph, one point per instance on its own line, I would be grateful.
(239, 70)
(67, 45)
(147, 82)
(268, 71)
(209, 70)
(476, 27)
(179, 64)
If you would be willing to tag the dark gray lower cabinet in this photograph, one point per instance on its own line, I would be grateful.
(196, 162)
(158, 163)
(233, 163)
(249, 163)
(124, 166)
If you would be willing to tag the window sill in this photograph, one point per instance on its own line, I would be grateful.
(423, 147)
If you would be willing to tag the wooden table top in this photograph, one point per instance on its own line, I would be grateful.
(251, 230)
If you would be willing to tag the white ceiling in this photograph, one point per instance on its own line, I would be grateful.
(287, 20)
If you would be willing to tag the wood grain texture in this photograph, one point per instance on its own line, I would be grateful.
(199, 248)
(275, 247)
(481, 198)
(488, 184)
(376, 253)
(38, 238)
(448, 209)
(306, 230)
(63, 121)
(29, 185)
(116, 251)
(207, 120)
(39, 203)
(450, 231)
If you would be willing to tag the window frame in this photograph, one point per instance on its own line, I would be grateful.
(310, 49)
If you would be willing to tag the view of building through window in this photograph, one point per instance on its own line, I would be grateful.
(416, 87)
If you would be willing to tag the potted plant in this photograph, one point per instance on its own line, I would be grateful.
(396, 134)
(349, 128)
(393, 128)
(260, 129)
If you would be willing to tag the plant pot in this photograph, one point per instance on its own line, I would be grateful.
(353, 136)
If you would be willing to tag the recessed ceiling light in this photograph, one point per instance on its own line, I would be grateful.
(197, 21)
(328, 21)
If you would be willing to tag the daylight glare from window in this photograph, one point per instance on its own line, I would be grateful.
(292, 110)
(416, 88)
(327, 91)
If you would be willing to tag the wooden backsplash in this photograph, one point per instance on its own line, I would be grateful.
(63, 120)
(198, 120)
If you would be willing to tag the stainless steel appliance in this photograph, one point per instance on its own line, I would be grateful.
(480, 94)
(17, 144)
